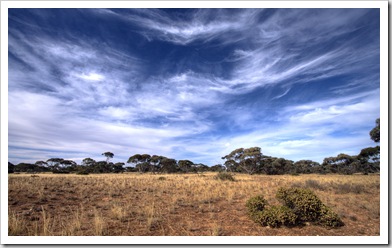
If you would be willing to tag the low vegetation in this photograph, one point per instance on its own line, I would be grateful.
(134, 204)
(157, 195)
(256, 204)
(276, 216)
(225, 176)
(299, 206)
(308, 207)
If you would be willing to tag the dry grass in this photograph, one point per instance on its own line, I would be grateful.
(136, 204)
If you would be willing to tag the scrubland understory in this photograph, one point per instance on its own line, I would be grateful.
(179, 204)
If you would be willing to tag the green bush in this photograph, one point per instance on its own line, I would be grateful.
(329, 218)
(304, 203)
(224, 176)
(276, 216)
(299, 205)
(256, 204)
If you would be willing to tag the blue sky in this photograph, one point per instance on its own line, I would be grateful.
(191, 83)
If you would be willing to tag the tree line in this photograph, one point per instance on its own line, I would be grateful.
(248, 160)
(138, 163)
(252, 161)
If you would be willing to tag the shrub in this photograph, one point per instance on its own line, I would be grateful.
(308, 207)
(329, 218)
(314, 184)
(346, 188)
(224, 176)
(256, 204)
(276, 216)
(304, 203)
(300, 205)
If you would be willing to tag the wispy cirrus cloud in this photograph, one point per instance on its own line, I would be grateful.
(325, 126)
(201, 25)
(193, 83)
(53, 126)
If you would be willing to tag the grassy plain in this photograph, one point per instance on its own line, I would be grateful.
(178, 204)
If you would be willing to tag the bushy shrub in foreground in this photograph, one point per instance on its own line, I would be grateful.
(224, 176)
(300, 205)
(256, 204)
(304, 203)
(276, 216)
(329, 218)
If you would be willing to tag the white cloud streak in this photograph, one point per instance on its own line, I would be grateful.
(308, 131)
(157, 24)
(80, 97)
(48, 125)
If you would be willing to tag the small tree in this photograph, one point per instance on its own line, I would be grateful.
(41, 163)
(155, 163)
(118, 167)
(231, 165)
(233, 159)
(371, 154)
(375, 132)
(246, 159)
(54, 164)
(369, 160)
(343, 164)
(141, 162)
(88, 162)
(25, 167)
(185, 165)
(217, 168)
(279, 166)
(11, 167)
(305, 166)
(102, 167)
(108, 156)
(168, 165)
(200, 168)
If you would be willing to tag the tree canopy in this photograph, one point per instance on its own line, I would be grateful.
(375, 132)
(108, 155)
